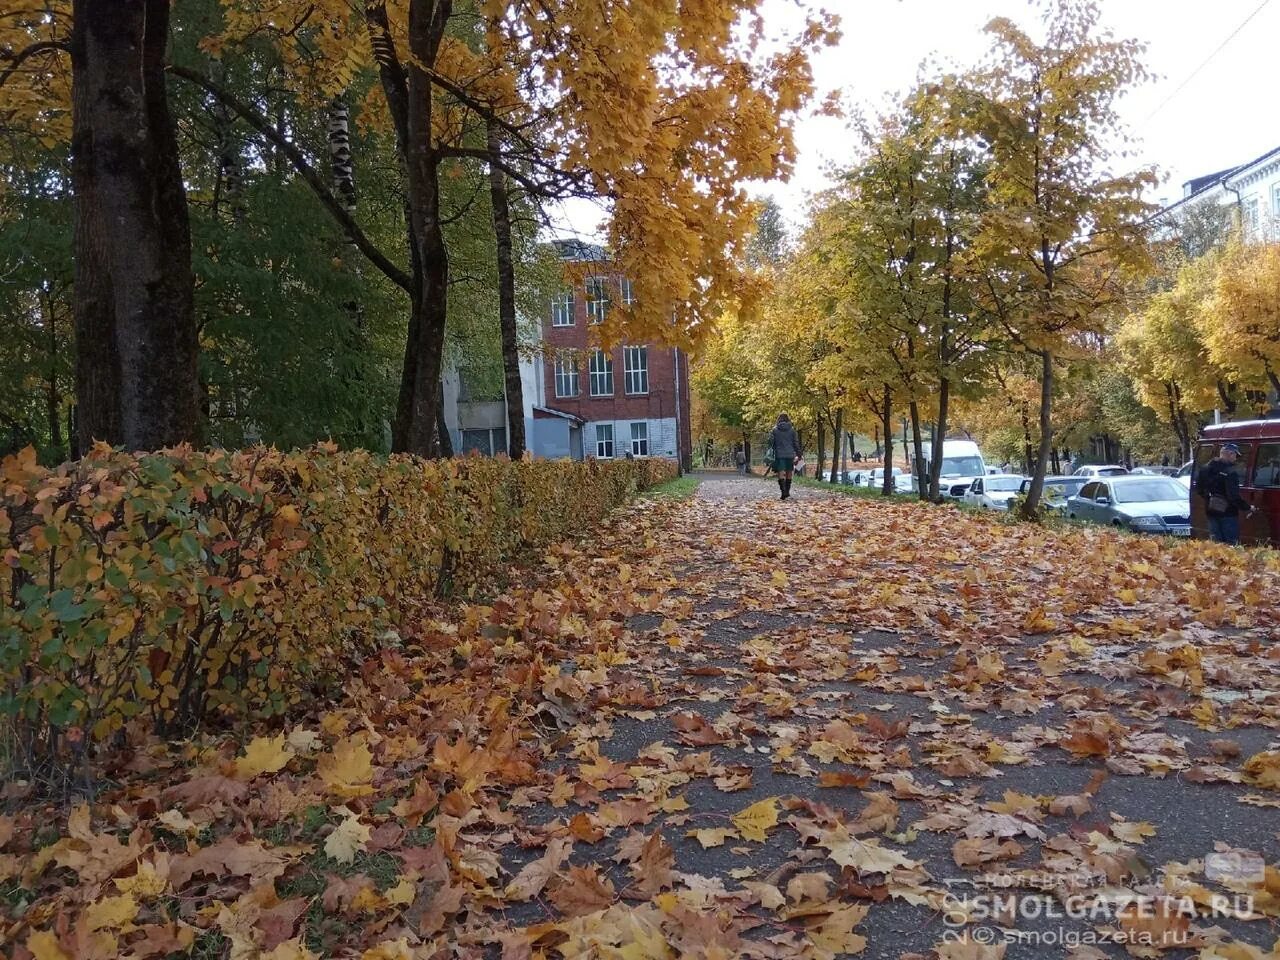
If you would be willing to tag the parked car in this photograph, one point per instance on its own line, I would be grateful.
(1054, 495)
(1141, 504)
(994, 492)
(962, 464)
(1155, 471)
(875, 478)
(1259, 468)
(1183, 476)
(1102, 470)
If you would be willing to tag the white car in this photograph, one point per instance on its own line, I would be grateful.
(962, 464)
(1183, 476)
(1102, 470)
(875, 478)
(994, 492)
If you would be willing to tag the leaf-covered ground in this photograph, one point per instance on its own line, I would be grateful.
(730, 727)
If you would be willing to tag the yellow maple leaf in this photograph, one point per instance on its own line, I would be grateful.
(348, 770)
(263, 755)
(290, 950)
(754, 821)
(835, 934)
(151, 879)
(44, 946)
(389, 950)
(111, 913)
(712, 836)
(348, 839)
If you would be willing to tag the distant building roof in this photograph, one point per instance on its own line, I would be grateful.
(1199, 184)
(579, 250)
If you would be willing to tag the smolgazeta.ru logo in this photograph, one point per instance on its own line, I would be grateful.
(1094, 907)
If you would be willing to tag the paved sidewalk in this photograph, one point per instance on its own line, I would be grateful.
(923, 699)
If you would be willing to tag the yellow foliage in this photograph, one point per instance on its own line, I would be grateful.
(172, 586)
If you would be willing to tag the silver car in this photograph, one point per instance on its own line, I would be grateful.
(1137, 503)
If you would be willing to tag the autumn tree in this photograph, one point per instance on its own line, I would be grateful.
(1059, 229)
(1241, 320)
(663, 116)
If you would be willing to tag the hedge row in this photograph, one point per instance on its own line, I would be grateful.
(167, 588)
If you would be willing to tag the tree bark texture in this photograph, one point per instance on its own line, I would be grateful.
(837, 449)
(136, 373)
(506, 298)
(939, 438)
(886, 422)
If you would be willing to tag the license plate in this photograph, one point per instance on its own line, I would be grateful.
(1180, 531)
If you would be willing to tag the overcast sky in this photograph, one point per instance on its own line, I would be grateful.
(1225, 115)
(1191, 119)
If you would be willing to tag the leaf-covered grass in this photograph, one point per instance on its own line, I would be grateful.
(848, 490)
(680, 488)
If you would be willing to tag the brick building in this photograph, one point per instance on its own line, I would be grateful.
(581, 401)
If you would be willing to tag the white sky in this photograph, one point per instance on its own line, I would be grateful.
(1225, 116)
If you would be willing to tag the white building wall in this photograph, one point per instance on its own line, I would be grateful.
(662, 436)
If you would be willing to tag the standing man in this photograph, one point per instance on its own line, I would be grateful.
(786, 451)
(1219, 485)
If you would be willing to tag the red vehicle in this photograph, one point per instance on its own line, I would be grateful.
(1259, 470)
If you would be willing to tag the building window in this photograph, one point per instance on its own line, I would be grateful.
(597, 299)
(1275, 200)
(1251, 216)
(601, 370)
(562, 309)
(635, 363)
(604, 441)
(566, 377)
(624, 287)
(640, 439)
(486, 442)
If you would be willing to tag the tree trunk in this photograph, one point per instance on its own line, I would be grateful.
(136, 356)
(746, 452)
(442, 442)
(879, 452)
(506, 299)
(939, 438)
(822, 447)
(409, 96)
(917, 447)
(838, 463)
(53, 396)
(886, 413)
(1032, 502)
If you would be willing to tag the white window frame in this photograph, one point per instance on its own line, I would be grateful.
(640, 439)
(604, 444)
(601, 374)
(566, 376)
(636, 373)
(598, 299)
(1252, 214)
(562, 309)
(627, 294)
(1275, 200)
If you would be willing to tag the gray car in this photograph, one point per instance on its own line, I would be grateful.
(1141, 504)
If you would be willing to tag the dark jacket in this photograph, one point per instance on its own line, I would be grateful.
(785, 442)
(1221, 478)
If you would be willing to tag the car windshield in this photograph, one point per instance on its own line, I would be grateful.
(1004, 484)
(1064, 488)
(1112, 471)
(962, 467)
(1145, 491)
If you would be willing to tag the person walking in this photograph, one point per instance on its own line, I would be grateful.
(786, 451)
(1219, 485)
(739, 459)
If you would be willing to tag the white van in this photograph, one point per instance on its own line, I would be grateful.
(962, 463)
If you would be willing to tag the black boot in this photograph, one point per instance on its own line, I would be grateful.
(786, 490)
(782, 488)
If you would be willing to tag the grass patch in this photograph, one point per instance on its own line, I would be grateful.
(681, 488)
(848, 490)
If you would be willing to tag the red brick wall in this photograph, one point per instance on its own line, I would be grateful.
(659, 402)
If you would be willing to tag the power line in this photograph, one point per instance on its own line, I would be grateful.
(1196, 72)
